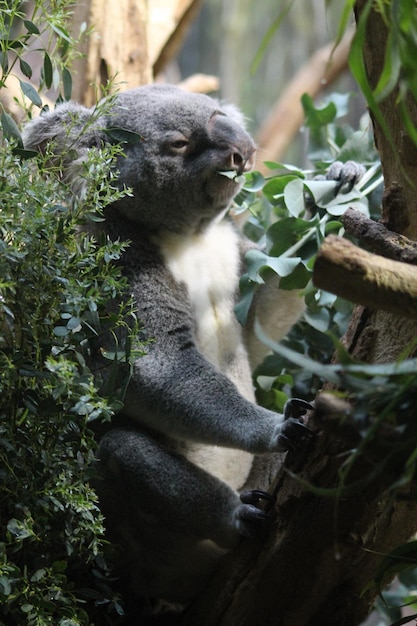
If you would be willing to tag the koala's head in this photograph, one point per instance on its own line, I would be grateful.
(174, 167)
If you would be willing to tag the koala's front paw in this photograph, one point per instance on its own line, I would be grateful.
(250, 520)
(346, 174)
(295, 407)
(292, 432)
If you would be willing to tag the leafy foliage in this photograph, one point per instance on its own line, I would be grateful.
(55, 287)
(292, 211)
(60, 289)
(399, 74)
(382, 397)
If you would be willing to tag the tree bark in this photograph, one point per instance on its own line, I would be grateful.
(322, 552)
(367, 279)
(131, 40)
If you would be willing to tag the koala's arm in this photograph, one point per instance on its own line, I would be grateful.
(176, 391)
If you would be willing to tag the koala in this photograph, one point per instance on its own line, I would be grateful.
(190, 438)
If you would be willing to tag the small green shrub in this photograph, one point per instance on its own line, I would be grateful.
(60, 288)
(56, 281)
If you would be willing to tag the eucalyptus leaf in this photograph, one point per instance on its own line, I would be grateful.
(319, 319)
(31, 93)
(247, 290)
(31, 27)
(294, 197)
(254, 182)
(122, 135)
(10, 128)
(275, 187)
(25, 68)
(286, 232)
(257, 261)
(67, 83)
(47, 70)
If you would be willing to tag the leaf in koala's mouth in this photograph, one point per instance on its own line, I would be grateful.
(233, 176)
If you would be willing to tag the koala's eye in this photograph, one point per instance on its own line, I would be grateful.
(179, 145)
(175, 144)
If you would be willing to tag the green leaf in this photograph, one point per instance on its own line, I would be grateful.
(357, 67)
(67, 83)
(47, 70)
(298, 279)
(344, 20)
(322, 191)
(275, 187)
(257, 261)
(391, 69)
(31, 27)
(60, 32)
(18, 529)
(61, 331)
(254, 182)
(5, 586)
(4, 62)
(315, 117)
(74, 324)
(31, 93)
(25, 68)
(319, 319)
(122, 135)
(247, 291)
(286, 232)
(10, 128)
(294, 197)
(38, 575)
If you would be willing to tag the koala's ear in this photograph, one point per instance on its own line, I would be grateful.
(71, 130)
(234, 113)
(70, 125)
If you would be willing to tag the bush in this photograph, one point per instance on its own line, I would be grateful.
(56, 285)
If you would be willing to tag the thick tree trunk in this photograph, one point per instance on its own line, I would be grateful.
(323, 551)
(132, 40)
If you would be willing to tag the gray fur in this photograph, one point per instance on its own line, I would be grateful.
(164, 482)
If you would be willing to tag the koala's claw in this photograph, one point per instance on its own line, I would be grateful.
(295, 407)
(253, 496)
(251, 521)
(292, 434)
(293, 431)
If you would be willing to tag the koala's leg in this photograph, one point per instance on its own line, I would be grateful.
(159, 483)
(173, 520)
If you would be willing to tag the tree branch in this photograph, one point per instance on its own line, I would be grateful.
(379, 238)
(367, 279)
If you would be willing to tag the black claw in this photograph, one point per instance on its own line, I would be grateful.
(295, 407)
(293, 434)
(254, 496)
(251, 521)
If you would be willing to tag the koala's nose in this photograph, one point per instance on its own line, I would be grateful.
(240, 162)
(235, 146)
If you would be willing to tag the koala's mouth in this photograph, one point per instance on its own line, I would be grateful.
(233, 175)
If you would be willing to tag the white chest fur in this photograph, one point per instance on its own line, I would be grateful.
(208, 266)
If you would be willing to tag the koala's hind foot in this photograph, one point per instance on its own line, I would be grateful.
(251, 520)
